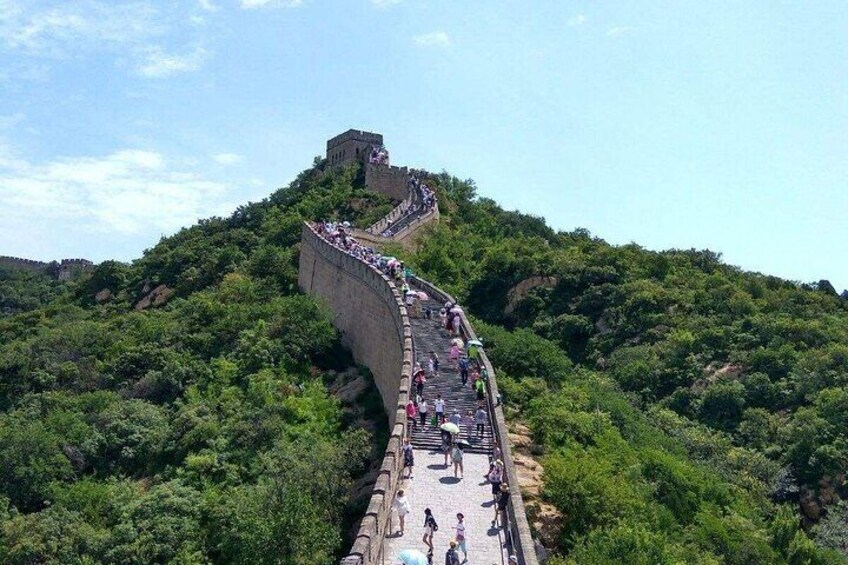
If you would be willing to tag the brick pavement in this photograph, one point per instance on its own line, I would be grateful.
(433, 486)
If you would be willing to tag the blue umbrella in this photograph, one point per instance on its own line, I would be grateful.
(412, 557)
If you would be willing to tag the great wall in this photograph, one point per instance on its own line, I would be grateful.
(370, 313)
(63, 270)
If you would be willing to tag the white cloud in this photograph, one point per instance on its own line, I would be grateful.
(130, 191)
(227, 158)
(136, 31)
(159, 64)
(577, 20)
(618, 31)
(250, 4)
(432, 39)
(71, 28)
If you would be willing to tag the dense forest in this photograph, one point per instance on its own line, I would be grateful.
(684, 411)
(199, 430)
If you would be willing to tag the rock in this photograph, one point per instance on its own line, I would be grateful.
(157, 297)
(103, 296)
(161, 294)
(809, 505)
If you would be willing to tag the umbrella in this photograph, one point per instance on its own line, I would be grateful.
(456, 310)
(458, 341)
(450, 427)
(463, 444)
(412, 557)
(475, 342)
(423, 295)
(412, 293)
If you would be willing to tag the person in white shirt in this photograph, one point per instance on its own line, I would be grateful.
(402, 507)
(440, 409)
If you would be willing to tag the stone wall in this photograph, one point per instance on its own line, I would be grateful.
(27, 264)
(63, 270)
(389, 180)
(369, 312)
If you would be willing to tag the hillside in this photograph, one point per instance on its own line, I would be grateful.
(190, 427)
(681, 410)
(676, 403)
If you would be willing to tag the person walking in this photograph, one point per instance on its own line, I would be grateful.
(422, 412)
(496, 477)
(408, 457)
(411, 413)
(480, 418)
(433, 364)
(463, 370)
(461, 542)
(480, 387)
(440, 409)
(451, 556)
(430, 526)
(453, 355)
(501, 505)
(402, 508)
(456, 457)
(456, 418)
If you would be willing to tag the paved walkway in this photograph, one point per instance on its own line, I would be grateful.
(434, 486)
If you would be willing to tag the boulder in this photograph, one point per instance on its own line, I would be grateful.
(103, 296)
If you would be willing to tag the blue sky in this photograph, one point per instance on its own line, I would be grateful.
(716, 125)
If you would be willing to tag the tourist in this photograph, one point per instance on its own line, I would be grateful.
(447, 444)
(456, 457)
(460, 536)
(480, 418)
(430, 526)
(443, 318)
(501, 505)
(440, 409)
(422, 412)
(451, 556)
(411, 413)
(408, 457)
(463, 370)
(456, 418)
(480, 387)
(402, 507)
(496, 477)
(419, 377)
(453, 354)
(434, 363)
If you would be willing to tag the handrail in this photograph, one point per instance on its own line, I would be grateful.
(519, 536)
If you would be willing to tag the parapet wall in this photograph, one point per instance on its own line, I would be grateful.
(369, 312)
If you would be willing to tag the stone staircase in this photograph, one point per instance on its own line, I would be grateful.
(427, 336)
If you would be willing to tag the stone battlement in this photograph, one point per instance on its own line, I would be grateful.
(355, 135)
(63, 269)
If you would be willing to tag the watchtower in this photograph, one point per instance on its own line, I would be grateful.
(352, 145)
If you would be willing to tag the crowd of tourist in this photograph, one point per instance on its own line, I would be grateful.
(379, 155)
(466, 361)
(424, 200)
